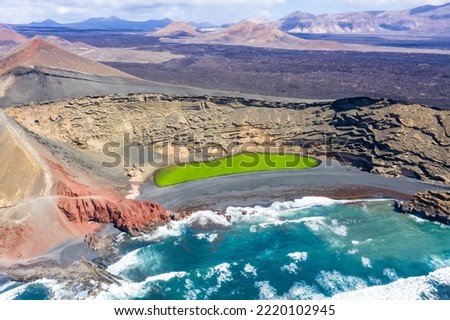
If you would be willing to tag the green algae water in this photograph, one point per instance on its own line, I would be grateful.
(241, 163)
(312, 248)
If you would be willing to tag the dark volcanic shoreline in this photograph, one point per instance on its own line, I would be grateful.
(264, 188)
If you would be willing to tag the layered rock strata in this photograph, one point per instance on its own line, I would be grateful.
(377, 135)
(431, 205)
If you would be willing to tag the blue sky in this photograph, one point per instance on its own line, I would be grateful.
(215, 11)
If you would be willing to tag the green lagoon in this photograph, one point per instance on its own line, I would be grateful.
(241, 163)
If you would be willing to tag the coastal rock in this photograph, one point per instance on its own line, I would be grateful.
(81, 205)
(431, 205)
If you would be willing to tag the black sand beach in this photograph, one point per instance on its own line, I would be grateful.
(330, 179)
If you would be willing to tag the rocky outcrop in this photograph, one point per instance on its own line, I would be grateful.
(130, 216)
(431, 205)
(82, 204)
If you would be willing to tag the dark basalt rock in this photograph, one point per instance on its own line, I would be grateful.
(430, 205)
(353, 103)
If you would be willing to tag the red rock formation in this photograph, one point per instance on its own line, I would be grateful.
(82, 204)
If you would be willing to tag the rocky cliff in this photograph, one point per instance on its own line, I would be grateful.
(134, 217)
(431, 205)
(377, 135)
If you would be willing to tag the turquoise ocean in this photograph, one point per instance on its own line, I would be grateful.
(311, 248)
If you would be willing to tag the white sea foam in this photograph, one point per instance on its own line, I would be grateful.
(249, 269)
(14, 293)
(204, 219)
(276, 208)
(124, 263)
(353, 251)
(437, 262)
(58, 291)
(165, 276)
(263, 216)
(366, 262)
(272, 214)
(374, 280)
(335, 282)
(130, 290)
(266, 291)
(222, 271)
(298, 291)
(7, 285)
(417, 219)
(390, 273)
(210, 237)
(316, 223)
(207, 219)
(302, 291)
(172, 229)
(321, 224)
(298, 256)
(191, 292)
(291, 268)
(338, 229)
(413, 288)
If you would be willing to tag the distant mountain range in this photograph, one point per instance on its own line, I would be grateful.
(108, 23)
(425, 20)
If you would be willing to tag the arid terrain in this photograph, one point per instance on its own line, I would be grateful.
(417, 78)
(247, 67)
(75, 99)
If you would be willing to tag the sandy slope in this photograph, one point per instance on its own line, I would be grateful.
(30, 221)
(24, 174)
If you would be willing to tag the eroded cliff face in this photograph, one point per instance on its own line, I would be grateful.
(380, 136)
(83, 204)
(431, 205)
